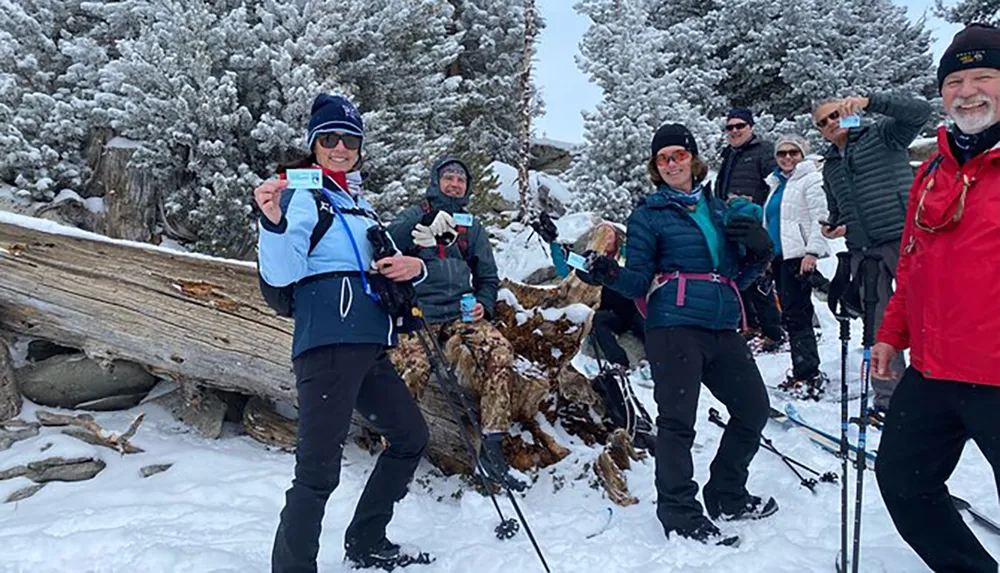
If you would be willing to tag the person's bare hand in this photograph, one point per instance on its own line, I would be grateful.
(268, 198)
(853, 105)
(882, 357)
(808, 265)
(399, 268)
(834, 232)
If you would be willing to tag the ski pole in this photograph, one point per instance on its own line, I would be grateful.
(767, 444)
(870, 272)
(450, 386)
(837, 287)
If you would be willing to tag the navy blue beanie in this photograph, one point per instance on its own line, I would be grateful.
(977, 46)
(741, 113)
(334, 113)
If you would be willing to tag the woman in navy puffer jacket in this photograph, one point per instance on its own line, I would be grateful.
(689, 256)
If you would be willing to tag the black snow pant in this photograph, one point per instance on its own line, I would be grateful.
(925, 432)
(762, 308)
(681, 359)
(608, 325)
(332, 382)
(797, 317)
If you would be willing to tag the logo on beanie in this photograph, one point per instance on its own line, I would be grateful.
(351, 111)
(967, 58)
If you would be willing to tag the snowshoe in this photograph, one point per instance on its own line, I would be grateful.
(752, 509)
(385, 555)
(770, 345)
(809, 389)
(706, 532)
(497, 470)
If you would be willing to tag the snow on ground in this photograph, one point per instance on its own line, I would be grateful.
(217, 508)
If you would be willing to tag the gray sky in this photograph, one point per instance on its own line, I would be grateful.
(567, 91)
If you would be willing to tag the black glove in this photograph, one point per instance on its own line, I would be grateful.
(545, 228)
(603, 269)
(751, 234)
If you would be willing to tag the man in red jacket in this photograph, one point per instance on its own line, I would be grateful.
(946, 310)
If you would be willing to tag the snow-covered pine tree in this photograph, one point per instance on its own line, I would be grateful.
(47, 76)
(631, 62)
(294, 58)
(176, 90)
(394, 55)
(969, 11)
(779, 57)
(489, 65)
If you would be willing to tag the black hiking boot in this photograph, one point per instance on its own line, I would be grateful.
(753, 508)
(385, 555)
(807, 389)
(704, 531)
(497, 470)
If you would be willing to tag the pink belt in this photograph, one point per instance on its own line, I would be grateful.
(661, 280)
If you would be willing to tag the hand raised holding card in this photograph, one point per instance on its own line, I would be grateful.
(268, 198)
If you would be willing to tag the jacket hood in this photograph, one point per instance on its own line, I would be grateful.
(439, 200)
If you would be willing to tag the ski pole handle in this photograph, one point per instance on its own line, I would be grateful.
(871, 267)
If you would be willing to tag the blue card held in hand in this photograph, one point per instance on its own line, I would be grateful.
(304, 178)
(463, 219)
(850, 121)
(577, 262)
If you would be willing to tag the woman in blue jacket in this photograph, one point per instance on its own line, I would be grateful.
(338, 349)
(689, 255)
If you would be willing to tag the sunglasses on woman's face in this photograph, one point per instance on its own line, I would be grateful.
(835, 114)
(735, 126)
(330, 140)
(783, 153)
(678, 157)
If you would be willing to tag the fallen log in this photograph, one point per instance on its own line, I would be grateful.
(200, 321)
(186, 317)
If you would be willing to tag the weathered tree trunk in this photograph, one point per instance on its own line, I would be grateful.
(130, 196)
(200, 320)
(524, 131)
(10, 397)
(185, 317)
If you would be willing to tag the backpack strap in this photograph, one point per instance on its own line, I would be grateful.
(322, 225)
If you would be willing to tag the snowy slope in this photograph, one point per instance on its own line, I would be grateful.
(217, 508)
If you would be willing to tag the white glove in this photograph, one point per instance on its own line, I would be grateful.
(423, 236)
(444, 228)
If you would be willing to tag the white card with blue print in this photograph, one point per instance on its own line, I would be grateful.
(850, 121)
(304, 178)
(577, 261)
(463, 219)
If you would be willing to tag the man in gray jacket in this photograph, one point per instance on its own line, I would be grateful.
(456, 250)
(867, 178)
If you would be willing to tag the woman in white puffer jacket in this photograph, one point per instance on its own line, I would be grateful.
(795, 205)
